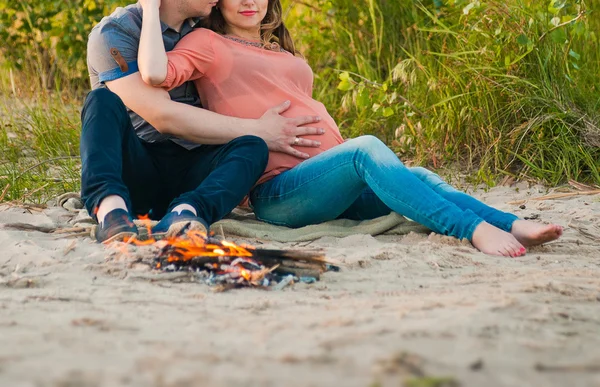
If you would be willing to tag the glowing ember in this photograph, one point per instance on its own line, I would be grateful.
(227, 264)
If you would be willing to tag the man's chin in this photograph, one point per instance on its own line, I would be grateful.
(204, 13)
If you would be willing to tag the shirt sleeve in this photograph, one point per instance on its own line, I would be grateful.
(192, 58)
(112, 52)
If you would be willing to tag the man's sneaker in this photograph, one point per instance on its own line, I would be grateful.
(117, 225)
(172, 224)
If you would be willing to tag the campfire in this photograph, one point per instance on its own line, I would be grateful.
(226, 265)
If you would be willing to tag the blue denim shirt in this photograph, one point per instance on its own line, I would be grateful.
(121, 31)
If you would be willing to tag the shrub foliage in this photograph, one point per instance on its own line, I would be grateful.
(510, 86)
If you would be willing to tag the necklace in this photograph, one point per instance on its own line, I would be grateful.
(273, 46)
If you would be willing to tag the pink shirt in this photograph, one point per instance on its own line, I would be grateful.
(239, 80)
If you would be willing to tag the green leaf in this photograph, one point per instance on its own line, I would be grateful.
(345, 76)
(523, 40)
(363, 99)
(559, 36)
(471, 6)
(345, 85)
(388, 112)
(574, 54)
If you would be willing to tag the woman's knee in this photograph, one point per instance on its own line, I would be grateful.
(421, 173)
(373, 149)
(368, 143)
(429, 177)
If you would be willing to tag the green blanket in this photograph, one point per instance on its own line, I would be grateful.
(244, 224)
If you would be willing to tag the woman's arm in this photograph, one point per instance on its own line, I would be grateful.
(152, 58)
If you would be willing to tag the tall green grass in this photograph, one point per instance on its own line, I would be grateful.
(39, 146)
(496, 86)
(493, 87)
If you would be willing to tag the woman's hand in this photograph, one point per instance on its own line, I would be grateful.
(147, 4)
(280, 133)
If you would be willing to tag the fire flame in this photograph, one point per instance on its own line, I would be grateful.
(194, 244)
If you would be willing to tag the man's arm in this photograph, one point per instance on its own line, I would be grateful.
(155, 106)
(205, 127)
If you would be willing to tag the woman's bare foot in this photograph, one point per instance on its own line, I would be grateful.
(532, 234)
(491, 240)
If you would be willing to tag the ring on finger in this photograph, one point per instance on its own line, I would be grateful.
(296, 141)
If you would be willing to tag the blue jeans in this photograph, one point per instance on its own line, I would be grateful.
(153, 178)
(363, 179)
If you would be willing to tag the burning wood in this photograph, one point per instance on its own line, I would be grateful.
(227, 265)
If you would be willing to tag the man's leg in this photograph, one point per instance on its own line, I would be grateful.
(216, 180)
(115, 163)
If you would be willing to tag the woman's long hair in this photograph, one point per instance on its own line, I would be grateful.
(272, 28)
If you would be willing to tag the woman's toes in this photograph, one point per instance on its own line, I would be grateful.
(507, 251)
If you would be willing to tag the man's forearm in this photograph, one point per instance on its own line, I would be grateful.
(202, 126)
(184, 121)
(205, 127)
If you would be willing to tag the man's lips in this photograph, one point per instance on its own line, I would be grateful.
(248, 13)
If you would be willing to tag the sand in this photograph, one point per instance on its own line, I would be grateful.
(405, 307)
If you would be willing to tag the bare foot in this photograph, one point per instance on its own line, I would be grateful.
(532, 234)
(491, 240)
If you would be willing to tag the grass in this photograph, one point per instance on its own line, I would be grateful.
(498, 89)
(39, 147)
(504, 88)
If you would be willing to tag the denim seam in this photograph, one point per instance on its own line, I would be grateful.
(432, 220)
(303, 184)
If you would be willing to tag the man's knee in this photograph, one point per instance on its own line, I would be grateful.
(103, 96)
(255, 146)
(102, 100)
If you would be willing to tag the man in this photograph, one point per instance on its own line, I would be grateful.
(140, 147)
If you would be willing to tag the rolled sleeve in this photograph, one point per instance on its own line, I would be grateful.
(102, 40)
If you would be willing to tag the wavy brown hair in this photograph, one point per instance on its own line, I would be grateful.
(272, 28)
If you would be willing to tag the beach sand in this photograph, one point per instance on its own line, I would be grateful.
(420, 307)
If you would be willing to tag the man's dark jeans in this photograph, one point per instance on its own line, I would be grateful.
(153, 178)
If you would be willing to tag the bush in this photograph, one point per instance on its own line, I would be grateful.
(48, 37)
(507, 86)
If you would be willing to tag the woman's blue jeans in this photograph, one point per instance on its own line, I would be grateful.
(363, 179)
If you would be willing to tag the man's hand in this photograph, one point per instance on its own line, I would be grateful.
(280, 133)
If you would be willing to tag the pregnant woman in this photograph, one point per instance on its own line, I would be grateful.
(243, 63)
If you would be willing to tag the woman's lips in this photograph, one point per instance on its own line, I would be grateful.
(248, 13)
